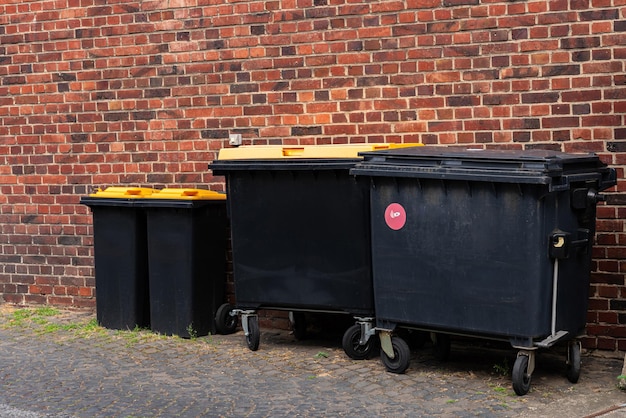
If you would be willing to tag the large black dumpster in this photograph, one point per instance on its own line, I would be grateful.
(120, 257)
(485, 243)
(300, 234)
(187, 237)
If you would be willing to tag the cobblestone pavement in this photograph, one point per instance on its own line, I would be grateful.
(61, 365)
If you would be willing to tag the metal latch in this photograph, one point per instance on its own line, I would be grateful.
(561, 243)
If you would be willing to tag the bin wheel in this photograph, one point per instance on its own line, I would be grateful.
(225, 323)
(573, 363)
(254, 335)
(441, 346)
(521, 378)
(351, 346)
(298, 325)
(402, 356)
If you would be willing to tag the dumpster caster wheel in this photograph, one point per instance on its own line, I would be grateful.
(225, 323)
(298, 325)
(254, 335)
(351, 346)
(441, 346)
(573, 361)
(521, 378)
(402, 356)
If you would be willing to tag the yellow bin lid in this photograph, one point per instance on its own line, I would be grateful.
(186, 194)
(117, 192)
(274, 152)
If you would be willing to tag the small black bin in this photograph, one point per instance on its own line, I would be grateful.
(489, 243)
(186, 241)
(120, 257)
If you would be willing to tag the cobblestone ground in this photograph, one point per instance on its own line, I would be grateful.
(61, 365)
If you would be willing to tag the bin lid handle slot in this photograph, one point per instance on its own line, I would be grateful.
(292, 151)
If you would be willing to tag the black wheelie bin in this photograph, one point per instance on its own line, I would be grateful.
(120, 257)
(186, 241)
(484, 243)
(300, 235)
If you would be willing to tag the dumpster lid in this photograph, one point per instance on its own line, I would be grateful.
(289, 157)
(186, 194)
(554, 168)
(278, 152)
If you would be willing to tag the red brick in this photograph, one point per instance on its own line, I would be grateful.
(608, 317)
(589, 342)
(606, 344)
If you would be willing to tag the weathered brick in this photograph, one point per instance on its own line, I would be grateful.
(151, 93)
(244, 88)
(116, 116)
(540, 97)
(580, 43)
(560, 122)
(559, 70)
(463, 101)
(617, 146)
(619, 25)
(306, 130)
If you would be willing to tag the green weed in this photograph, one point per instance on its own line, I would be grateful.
(45, 320)
(19, 317)
(47, 311)
(193, 334)
(42, 322)
(502, 369)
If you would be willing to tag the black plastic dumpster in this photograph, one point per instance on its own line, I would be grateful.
(483, 243)
(120, 257)
(300, 234)
(187, 259)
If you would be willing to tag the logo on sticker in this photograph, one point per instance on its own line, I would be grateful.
(395, 216)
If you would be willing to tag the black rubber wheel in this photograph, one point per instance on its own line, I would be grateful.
(441, 346)
(402, 356)
(573, 366)
(521, 378)
(298, 326)
(254, 335)
(351, 346)
(225, 323)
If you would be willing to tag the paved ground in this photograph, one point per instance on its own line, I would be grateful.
(58, 364)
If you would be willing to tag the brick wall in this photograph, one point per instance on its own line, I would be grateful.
(96, 93)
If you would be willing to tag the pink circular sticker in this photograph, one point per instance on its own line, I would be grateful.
(395, 216)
